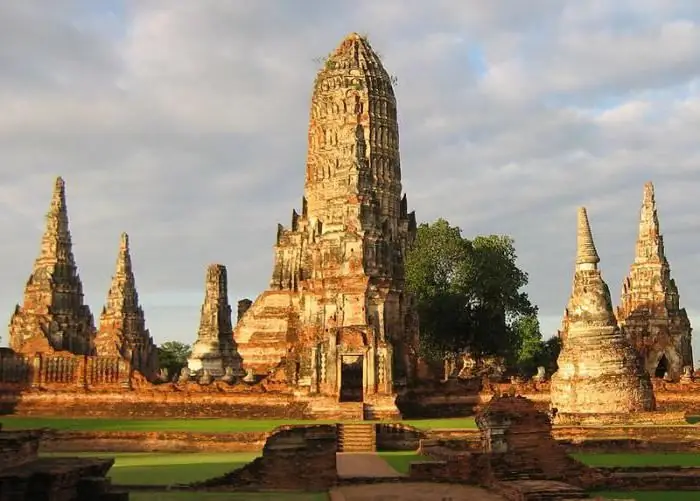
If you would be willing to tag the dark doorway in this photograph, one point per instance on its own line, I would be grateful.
(351, 378)
(662, 368)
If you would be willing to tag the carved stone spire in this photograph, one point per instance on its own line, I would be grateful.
(215, 349)
(650, 243)
(53, 316)
(586, 253)
(122, 296)
(338, 279)
(650, 313)
(599, 372)
(122, 323)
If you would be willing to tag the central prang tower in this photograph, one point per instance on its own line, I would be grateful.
(336, 312)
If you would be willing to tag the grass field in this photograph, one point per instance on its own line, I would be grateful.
(640, 459)
(400, 460)
(144, 468)
(221, 425)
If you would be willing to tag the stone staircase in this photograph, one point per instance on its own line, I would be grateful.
(357, 437)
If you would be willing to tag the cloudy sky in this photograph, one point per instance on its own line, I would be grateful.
(184, 124)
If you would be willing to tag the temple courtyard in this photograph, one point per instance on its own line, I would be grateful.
(164, 475)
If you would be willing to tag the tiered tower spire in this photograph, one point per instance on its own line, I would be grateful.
(53, 316)
(122, 323)
(215, 350)
(599, 372)
(338, 281)
(649, 313)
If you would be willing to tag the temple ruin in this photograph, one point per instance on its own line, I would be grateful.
(649, 313)
(122, 329)
(336, 316)
(53, 316)
(599, 371)
(214, 350)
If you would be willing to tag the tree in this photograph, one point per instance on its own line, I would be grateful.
(173, 356)
(529, 344)
(468, 292)
(549, 353)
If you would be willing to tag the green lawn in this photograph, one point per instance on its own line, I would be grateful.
(400, 460)
(650, 495)
(220, 425)
(139, 468)
(639, 459)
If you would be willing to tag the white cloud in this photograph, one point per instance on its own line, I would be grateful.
(184, 123)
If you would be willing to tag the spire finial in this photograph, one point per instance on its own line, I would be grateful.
(586, 253)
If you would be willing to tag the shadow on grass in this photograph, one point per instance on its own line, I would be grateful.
(168, 468)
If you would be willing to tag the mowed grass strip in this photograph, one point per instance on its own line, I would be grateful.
(639, 459)
(215, 425)
(401, 460)
(166, 468)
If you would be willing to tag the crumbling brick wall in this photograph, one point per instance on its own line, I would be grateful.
(294, 457)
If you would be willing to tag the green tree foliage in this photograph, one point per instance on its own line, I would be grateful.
(173, 356)
(468, 292)
(529, 343)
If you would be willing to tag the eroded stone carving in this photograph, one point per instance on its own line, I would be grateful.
(215, 348)
(599, 371)
(205, 377)
(338, 269)
(649, 314)
(185, 375)
(53, 316)
(122, 329)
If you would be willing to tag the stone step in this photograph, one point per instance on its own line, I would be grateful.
(357, 437)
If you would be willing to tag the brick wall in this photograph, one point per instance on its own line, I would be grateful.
(294, 457)
(152, 404)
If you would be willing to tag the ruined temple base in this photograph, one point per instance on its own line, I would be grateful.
(374, 407)
(193, 401)
(653, 418)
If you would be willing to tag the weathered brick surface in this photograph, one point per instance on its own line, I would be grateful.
(155, 405)
(649, 313)
(294, 457)
(599, 371)
(24, 476)
(122, 331)
(337, 288)
(516, 444)
(133, 441)
(53, 316)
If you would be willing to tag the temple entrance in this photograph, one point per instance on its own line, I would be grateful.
(662, 368)
(351, 380)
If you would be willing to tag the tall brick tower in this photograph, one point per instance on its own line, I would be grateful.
(599, 371)
(53, 316)
(336, 311)
(122, 329)
(649, 313)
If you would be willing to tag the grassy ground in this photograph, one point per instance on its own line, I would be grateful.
(221, 425)
(168, 468)
(640, 459)
(400, 460)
